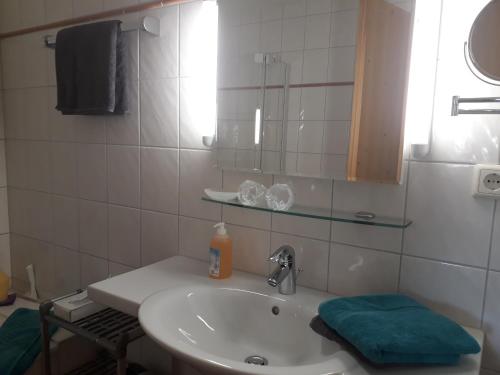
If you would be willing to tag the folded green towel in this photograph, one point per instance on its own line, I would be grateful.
(20, 341)
(395, 329)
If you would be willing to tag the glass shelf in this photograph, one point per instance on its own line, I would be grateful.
(324, 214)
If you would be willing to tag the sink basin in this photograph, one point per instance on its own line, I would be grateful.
(217, 328)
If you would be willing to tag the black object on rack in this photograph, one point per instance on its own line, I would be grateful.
(109, 329)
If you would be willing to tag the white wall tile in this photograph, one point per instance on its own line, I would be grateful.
(250, 249)
(315, 68)
(5, 254)
(35, 116)
(455, 291)
(92, 175)
(116, 269)
(338, 103)
(39, 215)
(57, 10)
(341, 64)
(312, 104)
(4, 216)
(32, 12)
(93, 269)
(115, 4)
(90, 129)
(159, 55)
(355, 271)
(159, 113)
(64, 169)
(65, 218)
(344, 28)
(336, 137)
(159, 237)
(449, 223)
(317, 31)
(124, 235)
(318, 6)
(124, 175)
(198, 172)
(38, 166)
(294, 8)
(10, 15)
(294, 30)
(271, 36)
(93, 223)
(62, 128)
(495, 244)
(339, 5)
(83, 7)
(194, 237)
(34, 75)
(491, 324)
(124, 129)
(17, 174)
(67, 270)
(160, 179)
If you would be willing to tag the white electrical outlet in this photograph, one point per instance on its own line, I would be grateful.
(486, 181)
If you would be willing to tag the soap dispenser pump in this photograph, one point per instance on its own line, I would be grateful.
(220, 254)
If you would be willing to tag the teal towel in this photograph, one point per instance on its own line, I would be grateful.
(20, 341)
(395, 329)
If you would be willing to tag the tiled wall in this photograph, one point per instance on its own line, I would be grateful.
(91, 196)
(4, 219)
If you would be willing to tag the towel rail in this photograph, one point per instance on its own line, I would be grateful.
(457, 100)
(149, 24)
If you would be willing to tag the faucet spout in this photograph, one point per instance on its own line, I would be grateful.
(285, 274)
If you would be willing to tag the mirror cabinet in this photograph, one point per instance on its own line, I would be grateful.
(313, 89)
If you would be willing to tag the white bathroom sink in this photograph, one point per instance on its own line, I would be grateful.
(217, 328)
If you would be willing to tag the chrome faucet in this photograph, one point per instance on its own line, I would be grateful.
(285, 274)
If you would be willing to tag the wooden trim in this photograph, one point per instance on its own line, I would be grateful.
(292, 86)
(357, 97)
(94, 17)
(380, 89)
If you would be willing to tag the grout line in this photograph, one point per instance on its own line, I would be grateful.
(139, 122)
(403, 236)
(179, 62)
(488, 270)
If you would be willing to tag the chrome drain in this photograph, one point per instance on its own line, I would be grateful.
(256, 360)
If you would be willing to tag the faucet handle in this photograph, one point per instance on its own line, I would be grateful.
(284, 256)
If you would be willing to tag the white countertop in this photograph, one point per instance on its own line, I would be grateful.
(126, 292)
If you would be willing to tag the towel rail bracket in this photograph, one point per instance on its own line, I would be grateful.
(457, 100)
(150, 24)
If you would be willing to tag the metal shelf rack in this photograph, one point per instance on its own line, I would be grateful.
(109, 329)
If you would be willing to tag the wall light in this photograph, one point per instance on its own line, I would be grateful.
(423, 70)
(257, 126)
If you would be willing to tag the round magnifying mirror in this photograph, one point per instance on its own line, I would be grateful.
(484, 44)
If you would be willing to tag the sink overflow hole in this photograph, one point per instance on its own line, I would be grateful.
(256, 360)
(275, 310)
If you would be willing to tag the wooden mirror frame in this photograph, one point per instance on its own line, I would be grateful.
(380, 90)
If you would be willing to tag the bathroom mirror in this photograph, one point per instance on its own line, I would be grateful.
(483, 46)
(297, 87)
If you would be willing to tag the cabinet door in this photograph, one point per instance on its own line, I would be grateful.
(381, 77)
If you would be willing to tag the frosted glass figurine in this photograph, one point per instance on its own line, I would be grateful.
(251, 193)
(280, 197)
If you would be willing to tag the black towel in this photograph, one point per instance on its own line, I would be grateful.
(91, 70)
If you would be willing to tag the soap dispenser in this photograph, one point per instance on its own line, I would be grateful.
(220, 254)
